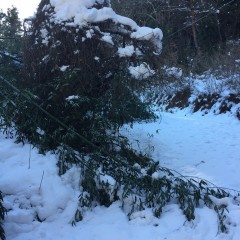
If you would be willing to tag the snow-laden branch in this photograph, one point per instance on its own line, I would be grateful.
(83, 13)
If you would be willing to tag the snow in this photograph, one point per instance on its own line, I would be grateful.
(127, 51)
(20, 180)
(173, 71)
(202, 146)
(146, 33)
(40, 131)
(108, 39)
(107, 179)
(89, 33)
(44, 35)
(64, 68)
(209, 84)
(81, 13)
(156, 175)
(192, 144)
(142, 71)
(73, 97)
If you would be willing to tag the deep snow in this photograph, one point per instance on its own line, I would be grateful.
(203, 146)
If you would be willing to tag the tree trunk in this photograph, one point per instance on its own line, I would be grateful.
(194, 31)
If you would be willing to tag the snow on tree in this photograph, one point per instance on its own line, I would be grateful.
(90, 36)
(82, 62)
(79, 54)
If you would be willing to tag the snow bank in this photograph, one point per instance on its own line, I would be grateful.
(33, 190)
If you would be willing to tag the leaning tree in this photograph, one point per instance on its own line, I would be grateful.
(83, 67)
(83, 62)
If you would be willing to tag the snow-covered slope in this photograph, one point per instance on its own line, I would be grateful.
(202, 146)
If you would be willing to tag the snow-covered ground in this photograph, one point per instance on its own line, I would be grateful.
(195, 145)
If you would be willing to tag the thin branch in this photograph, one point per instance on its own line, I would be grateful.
(41, 181)
(11, 57)
(3, 38)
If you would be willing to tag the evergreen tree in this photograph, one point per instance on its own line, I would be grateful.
(10, 32)
(82, 77)
(10, 62)
(10, 43)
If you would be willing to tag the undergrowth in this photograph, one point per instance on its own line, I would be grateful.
(199, 93)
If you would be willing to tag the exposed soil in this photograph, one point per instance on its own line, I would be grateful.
(203, 102)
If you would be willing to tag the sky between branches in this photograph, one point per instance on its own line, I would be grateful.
(26, 8)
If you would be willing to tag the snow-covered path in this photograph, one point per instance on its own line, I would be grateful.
(195, 145)
(207, 147)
